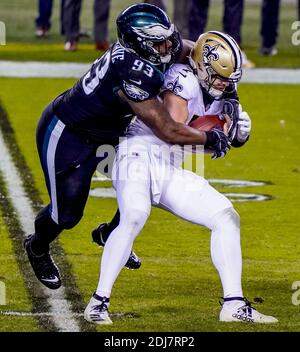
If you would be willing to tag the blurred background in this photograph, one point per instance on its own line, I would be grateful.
(22, 44)
(178, 288)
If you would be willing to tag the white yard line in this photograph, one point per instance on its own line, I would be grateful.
(271, 75)
(59, 307)
(49, 314)
(42, 69)
(76, 70)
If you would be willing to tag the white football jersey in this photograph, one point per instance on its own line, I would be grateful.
(165, 159)
(180, 80)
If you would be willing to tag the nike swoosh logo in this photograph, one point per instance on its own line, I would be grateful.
(139, 82)
(51, 280)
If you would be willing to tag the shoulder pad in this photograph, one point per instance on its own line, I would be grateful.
(180, 80)
(138, 79)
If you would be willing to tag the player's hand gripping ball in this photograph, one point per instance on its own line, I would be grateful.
(208, 123)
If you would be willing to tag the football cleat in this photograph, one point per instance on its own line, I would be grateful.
(43, 266)
(133, 261)
(97, 310)
(243, 312)
(100, 236)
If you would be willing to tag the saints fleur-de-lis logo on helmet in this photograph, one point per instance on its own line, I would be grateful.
(216, 55)
(211, 52)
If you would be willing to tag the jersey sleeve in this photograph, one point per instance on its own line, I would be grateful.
(138, 79)
(180, 80)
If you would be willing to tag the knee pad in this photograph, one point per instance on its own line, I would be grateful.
(228, 217)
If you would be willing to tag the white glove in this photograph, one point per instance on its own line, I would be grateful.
(244, 127)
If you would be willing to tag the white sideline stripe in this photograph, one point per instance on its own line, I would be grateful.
(271, 75)
(58, 304)
(42, 69)
(76, 70)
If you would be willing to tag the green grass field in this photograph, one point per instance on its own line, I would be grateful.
(16, 296)
(23, 46)
(177, 288)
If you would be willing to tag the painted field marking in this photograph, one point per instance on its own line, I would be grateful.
(58, 304)
(109, 192)
(29, 69)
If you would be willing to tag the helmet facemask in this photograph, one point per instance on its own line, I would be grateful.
(171, 46)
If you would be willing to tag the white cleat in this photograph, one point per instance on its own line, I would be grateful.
(244, 313)
(97, 310)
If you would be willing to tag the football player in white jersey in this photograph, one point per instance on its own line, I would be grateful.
(144, 175)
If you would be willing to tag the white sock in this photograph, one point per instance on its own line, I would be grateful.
(226, 251)
(117, 249)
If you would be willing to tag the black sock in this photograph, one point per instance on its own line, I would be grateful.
(114, 222)
(46, 231)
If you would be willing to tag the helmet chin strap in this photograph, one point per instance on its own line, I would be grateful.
(166, 59)
(215, 93)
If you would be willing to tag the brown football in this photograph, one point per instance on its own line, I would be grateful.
(207, 122)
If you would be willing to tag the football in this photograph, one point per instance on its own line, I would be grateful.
(207, 122)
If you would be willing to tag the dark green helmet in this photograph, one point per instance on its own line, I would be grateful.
(142, 26)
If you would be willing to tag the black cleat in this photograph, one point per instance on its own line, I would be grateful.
(100, 236)
(43, 266)
(133, 261)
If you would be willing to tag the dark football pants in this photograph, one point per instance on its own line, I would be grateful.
(232, 18)
(269, 22)
(45, 11)
(68, 163)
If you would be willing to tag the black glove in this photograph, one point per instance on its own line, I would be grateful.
(231, 108)
(218, 142)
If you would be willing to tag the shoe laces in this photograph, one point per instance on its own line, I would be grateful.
(247, 302)
(102, 306)
(245, 309)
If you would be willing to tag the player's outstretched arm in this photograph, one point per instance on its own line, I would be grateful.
(153, 113)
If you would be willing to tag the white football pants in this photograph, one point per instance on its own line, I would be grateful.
(184, 194)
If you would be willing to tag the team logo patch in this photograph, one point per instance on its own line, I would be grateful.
(135, 92)
(210, 52)
(154, 31)
(174, 86)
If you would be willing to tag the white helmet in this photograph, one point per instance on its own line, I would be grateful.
(216, 55)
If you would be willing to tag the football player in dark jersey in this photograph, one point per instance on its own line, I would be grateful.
(124, 82)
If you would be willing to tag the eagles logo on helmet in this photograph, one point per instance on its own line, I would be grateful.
(142, 26)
